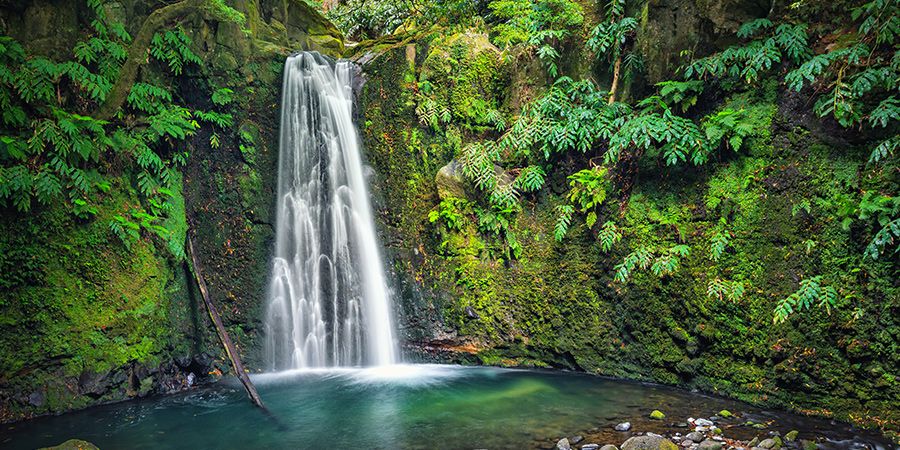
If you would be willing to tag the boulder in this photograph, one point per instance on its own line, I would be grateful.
(649, 443)
(450, 181)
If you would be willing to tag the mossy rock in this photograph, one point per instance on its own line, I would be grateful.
(657, 415)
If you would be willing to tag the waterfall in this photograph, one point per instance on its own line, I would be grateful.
(328, 301)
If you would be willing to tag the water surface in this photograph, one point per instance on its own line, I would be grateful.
(421, 406)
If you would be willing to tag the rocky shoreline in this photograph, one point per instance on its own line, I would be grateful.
(723, 431)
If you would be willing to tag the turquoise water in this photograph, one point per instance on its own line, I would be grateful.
(421, 406)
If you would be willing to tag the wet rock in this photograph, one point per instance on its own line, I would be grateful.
(703, 422)
(680, 425)
(608, 447)
(767, 444)
(649, 443)
(695, 436)
(657, 415)
(791, 436)
(73, 444)
(687, 443)
(624, 426)
(710, 444)
(590, 446)
(754, 442)
(36, 399)
(576, 439)
(725, 413)
(563, 444)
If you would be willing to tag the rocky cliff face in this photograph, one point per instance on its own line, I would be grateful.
(463, 297)
(87, 321)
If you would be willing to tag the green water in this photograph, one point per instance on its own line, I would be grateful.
(423, 406)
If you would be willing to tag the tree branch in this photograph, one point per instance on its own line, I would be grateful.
(137, 53)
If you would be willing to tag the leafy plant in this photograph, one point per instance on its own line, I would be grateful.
(450, 212)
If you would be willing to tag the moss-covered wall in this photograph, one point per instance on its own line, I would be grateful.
(85, 320)
(463, 298)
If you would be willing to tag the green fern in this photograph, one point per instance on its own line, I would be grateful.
(811, 291)
(563, 221)
(721, 289)
(609, 235)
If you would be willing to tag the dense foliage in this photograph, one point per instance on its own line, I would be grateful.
(854, 81)
(55, 150)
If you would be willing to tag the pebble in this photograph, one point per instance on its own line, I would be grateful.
(590, 446)
(696, 436)
(608, 447)
(687, 443)
(710, 444)
(703, 423)
(563, 444)
(624, 426)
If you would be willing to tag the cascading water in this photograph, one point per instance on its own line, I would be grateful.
(328, 298)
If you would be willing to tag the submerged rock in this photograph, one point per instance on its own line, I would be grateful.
(649, 443)
(624, 426)
(73, 444)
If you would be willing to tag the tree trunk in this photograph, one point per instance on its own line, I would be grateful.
(615, 81)
(220, 328)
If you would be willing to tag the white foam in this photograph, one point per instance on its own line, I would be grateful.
(394, 374)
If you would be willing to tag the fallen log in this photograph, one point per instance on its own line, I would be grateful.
(220, 327)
